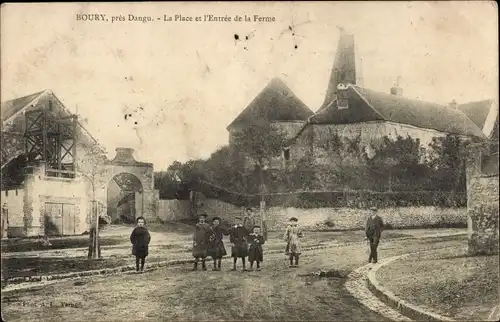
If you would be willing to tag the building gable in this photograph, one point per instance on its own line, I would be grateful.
(13, 123)
(12, 107)
(477, 112)
(276, 102)
(357, 111)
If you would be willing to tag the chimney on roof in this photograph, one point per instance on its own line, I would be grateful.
(396, 90)
(453, 104)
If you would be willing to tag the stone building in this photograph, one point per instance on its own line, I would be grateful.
(276, 104)
(351, 111)
(55, 173)
(371, 116)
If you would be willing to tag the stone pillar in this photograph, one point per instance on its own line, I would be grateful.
(5, 220)
(149, 205)
(34, 217)
(482, 207)
(139, 204)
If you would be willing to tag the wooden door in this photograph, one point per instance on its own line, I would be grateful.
(68, 221)
(53, 219)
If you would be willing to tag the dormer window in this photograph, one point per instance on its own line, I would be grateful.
(342, 97)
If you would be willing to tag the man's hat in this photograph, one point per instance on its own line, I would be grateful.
(202, 215)
(373, 208)
(256, 226)
(294, 219)
(216, 218)
(237, 218)
(248, 208)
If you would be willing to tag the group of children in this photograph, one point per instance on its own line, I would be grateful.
(208, 242)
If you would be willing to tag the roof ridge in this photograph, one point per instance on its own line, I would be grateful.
(24, 96)
(455, 111)
(275, 86)
(401, 97)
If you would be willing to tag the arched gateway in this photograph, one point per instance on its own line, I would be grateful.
(127, 188)
(124, 192)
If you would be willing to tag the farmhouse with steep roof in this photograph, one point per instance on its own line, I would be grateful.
(55, 173)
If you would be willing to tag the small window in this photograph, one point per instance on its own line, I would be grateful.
(286, 154)
(342, 103)
(342, 99)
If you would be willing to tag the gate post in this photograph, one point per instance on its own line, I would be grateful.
(5, 220)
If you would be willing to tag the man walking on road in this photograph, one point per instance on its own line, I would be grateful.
(373, 231)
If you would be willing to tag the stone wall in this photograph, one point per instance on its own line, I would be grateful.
(482, 203)
(349, 218)
(370, 133)
(214, 207)
(302, 145)
(333, 218)
(174, 210)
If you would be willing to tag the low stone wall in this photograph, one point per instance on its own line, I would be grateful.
(173, 210)
(349, 218)
(322, 218)
(214, 207)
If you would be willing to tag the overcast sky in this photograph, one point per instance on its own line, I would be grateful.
(192, 79)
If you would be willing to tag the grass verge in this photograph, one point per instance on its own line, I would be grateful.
(447, 282)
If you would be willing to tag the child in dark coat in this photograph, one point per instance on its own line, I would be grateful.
(255, 253)
(140, 239)
(238, 238)
(201, 241)
(216, 249)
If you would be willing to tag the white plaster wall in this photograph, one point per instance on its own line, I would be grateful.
(14, 201)
(59, 190)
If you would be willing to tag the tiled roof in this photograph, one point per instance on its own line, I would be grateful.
(399, 109)
(9, 108)
(477, 112)
(276, 102)
(418, 113)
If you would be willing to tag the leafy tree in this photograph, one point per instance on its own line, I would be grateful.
(447, 158)
(260, 143)
(225, 167)
(174, 182)
(398, 158)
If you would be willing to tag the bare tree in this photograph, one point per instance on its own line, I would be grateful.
(90, 168)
